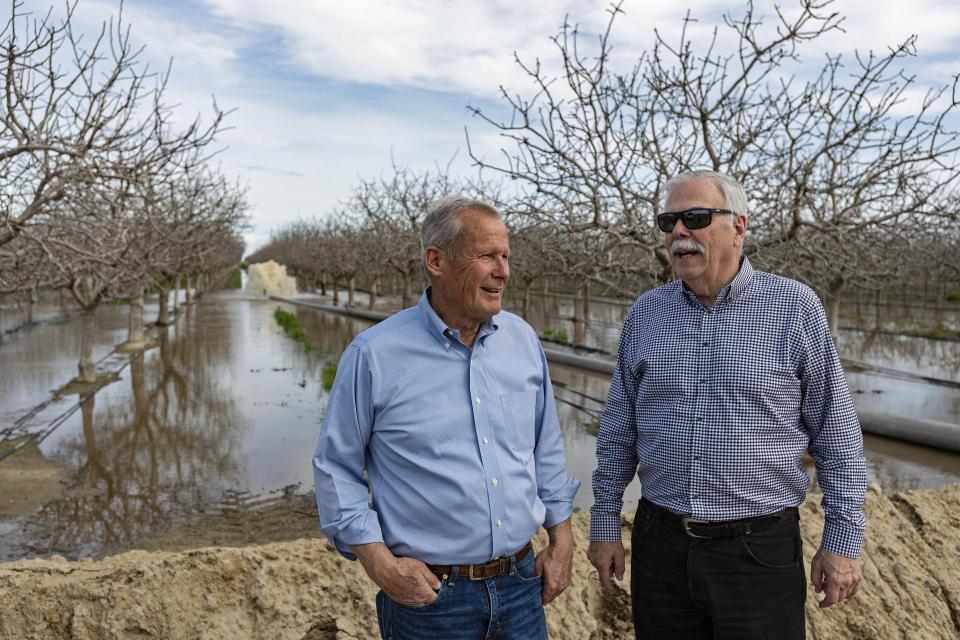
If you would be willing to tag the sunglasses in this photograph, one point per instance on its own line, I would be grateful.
(696, 218)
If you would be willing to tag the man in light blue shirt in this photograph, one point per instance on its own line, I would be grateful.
(449, 409)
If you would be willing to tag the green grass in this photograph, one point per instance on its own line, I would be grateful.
(942, 332)
(328, 374)
(236, 280)
(953, 296)
(291, 326)
(853, 317)
(560, 335)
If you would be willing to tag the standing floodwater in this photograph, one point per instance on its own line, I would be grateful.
(222, 415)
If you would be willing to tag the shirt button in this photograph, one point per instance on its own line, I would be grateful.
(703, 381)
(706, 343)
(494, 482)
(446, 345)
(698, 419)
(478, 400)
(499, 524)
(485, 441)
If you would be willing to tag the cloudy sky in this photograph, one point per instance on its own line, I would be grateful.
(326, 92)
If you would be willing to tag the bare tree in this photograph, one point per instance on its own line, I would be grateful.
(394, 207)
(824, 160)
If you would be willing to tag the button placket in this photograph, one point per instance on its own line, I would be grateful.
(703, 362)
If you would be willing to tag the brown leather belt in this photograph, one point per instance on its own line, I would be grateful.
(696, 528)
(485, 570)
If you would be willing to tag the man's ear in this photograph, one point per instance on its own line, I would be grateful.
(740, 226)
(433, 260)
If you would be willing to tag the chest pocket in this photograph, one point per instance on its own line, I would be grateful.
(520, 411)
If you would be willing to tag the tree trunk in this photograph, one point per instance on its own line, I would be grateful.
(525, 304)
(585, 302)
(86, 369)
(407, 290)
(832, 307)
(31, 305)
(373, 293)
(323, 284)
(579, 319)
(162, 313)
(833, 314)
(187, 296)
(351, 292)
(336, 293)
(135, 329)
(176, 295)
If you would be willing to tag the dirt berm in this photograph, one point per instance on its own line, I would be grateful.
(303, 590)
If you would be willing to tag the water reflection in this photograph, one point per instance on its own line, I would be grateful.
(162, 448)
(934, 358)
(896, 315)
(228, 406)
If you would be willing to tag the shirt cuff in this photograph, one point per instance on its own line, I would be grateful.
(840, 538)
(605, 527)
(363, 528)
(559, 506)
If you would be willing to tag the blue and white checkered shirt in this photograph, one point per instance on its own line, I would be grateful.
(712, 407)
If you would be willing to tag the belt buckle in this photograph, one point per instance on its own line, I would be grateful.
(470, 573)
(687, 521)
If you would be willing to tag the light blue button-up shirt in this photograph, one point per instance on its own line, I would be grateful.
(462, 447)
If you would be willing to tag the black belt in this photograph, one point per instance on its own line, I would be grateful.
(696, 528)
(483, 570)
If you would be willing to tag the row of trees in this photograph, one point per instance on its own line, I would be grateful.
(102, 194)
(851, 185)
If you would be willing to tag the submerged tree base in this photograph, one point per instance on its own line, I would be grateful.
(77, 386)
(132, 346)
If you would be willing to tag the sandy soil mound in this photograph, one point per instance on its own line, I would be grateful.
(303, 590)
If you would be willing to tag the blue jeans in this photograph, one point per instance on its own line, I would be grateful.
(507, 607)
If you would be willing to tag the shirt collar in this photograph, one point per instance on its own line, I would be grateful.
(439, 329)
(733, 290)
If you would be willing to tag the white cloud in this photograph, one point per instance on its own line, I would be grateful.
(450, 46)
(207, 54)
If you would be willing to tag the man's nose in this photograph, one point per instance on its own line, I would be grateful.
(679, 230)
(501, 268)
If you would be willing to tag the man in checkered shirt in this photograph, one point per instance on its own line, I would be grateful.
(723, 379)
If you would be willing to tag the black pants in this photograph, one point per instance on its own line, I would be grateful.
(751, 586)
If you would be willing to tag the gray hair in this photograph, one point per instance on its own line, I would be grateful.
(734, 195)
(441, 227)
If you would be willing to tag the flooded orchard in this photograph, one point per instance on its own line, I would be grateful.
(221, 415)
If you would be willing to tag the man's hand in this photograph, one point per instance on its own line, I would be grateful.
(406, 580)
(607, 557)
(837, 576)
(555, 563)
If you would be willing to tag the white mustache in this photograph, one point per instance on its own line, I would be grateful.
(685, 244)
